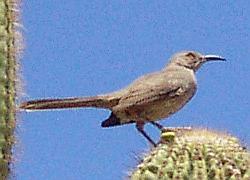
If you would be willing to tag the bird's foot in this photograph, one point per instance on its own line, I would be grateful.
(176, 129)
(170, 129)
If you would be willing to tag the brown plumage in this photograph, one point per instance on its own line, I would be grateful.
(150, 98)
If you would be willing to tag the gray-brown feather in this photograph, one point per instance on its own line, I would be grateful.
(94, 101)
(155, 96)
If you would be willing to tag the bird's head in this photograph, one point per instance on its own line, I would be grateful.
(193, 60)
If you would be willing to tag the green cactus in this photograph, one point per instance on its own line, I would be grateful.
(194, 154)
(9, 37)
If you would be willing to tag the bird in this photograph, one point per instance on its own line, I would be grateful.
(148, 99)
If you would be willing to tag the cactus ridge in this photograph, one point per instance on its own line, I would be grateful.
(9, 48)
(195, 154)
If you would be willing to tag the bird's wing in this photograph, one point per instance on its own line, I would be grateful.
(151, 88)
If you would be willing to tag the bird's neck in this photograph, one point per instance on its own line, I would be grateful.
(175, 67)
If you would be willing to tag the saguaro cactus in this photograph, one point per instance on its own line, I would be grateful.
(194, 154)
(9, 49)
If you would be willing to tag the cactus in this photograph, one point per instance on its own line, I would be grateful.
(194, 154)
(9, 49)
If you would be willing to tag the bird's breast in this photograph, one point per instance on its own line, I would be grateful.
(159, 104)
(166, 107)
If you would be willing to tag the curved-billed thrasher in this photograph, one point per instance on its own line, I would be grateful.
(149, 98)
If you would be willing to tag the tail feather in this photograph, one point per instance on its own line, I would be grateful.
(113, 120)
(94, 101)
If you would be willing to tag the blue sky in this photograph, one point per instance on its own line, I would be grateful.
(90, 47)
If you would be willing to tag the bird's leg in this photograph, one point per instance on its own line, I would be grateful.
(159, 126)
(140, 128)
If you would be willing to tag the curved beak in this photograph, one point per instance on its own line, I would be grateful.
(213, 58)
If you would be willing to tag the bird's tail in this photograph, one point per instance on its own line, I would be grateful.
(93, 101)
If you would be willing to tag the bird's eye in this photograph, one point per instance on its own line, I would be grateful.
(190, 55)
